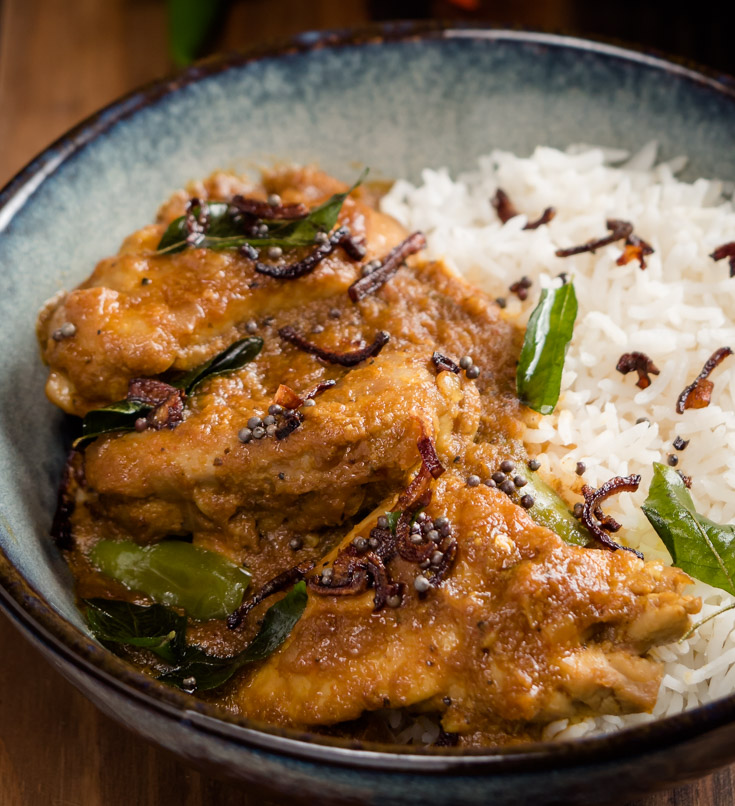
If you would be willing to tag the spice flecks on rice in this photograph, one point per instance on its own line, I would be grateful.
(678, 312)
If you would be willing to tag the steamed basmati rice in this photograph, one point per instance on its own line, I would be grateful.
(677, 311)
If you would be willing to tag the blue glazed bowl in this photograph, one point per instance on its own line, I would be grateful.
(397, 98)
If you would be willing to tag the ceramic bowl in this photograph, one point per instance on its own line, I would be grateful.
(397, 98)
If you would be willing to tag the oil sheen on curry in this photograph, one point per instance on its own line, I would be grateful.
(300, 489)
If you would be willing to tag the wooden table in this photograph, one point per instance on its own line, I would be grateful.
(60, 61)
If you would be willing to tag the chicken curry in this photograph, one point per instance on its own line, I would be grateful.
(301, 490)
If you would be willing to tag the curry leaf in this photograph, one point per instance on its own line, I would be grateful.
(699, 546)
(156, 628)
(235, 357)
(549, 331)
(121, 415)
(221, 224)
(191, 24)
(203, 583)
(224, 228)
(200, 671)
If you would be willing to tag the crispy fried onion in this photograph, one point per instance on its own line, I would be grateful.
(619, 230)
(322, 386)
(635, 248)
(167, 403)
(291, 271)
(640, 363)
(507, 210)
(286, 397)
(290, 422)
(429, 456)
(271, 212)
(350, 359)
(363, 563)
(284, 580)
(444, 364)
(699, 393)
(390, 264)
(520, 287)
(593, 517)
(727, 250)
(292, 418)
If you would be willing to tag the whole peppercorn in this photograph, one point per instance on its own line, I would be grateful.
(421, 584)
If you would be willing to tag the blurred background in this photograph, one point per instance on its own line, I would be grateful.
(61, 60)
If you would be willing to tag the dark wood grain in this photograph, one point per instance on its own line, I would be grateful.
(60, 61)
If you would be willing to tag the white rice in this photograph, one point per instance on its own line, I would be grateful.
(677, 311)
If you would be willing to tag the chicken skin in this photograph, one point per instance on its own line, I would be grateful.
(514, 627)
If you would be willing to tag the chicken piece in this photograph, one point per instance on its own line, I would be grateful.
(525, 629)
(141, 314)
(357, 441)
(362, 432)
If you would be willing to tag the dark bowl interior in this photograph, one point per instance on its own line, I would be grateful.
(397, 98)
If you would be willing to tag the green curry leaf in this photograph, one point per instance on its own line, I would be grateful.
(225, 227)
(699, 546)
(200, 671)
(235, 357)
(162, 631)
(191, 24)
(156, 628)
(549, 331)
(203, 583)
(121, 415)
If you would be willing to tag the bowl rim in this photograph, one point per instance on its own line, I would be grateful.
(34, 617)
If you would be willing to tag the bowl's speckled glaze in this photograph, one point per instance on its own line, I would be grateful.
(396, 98)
